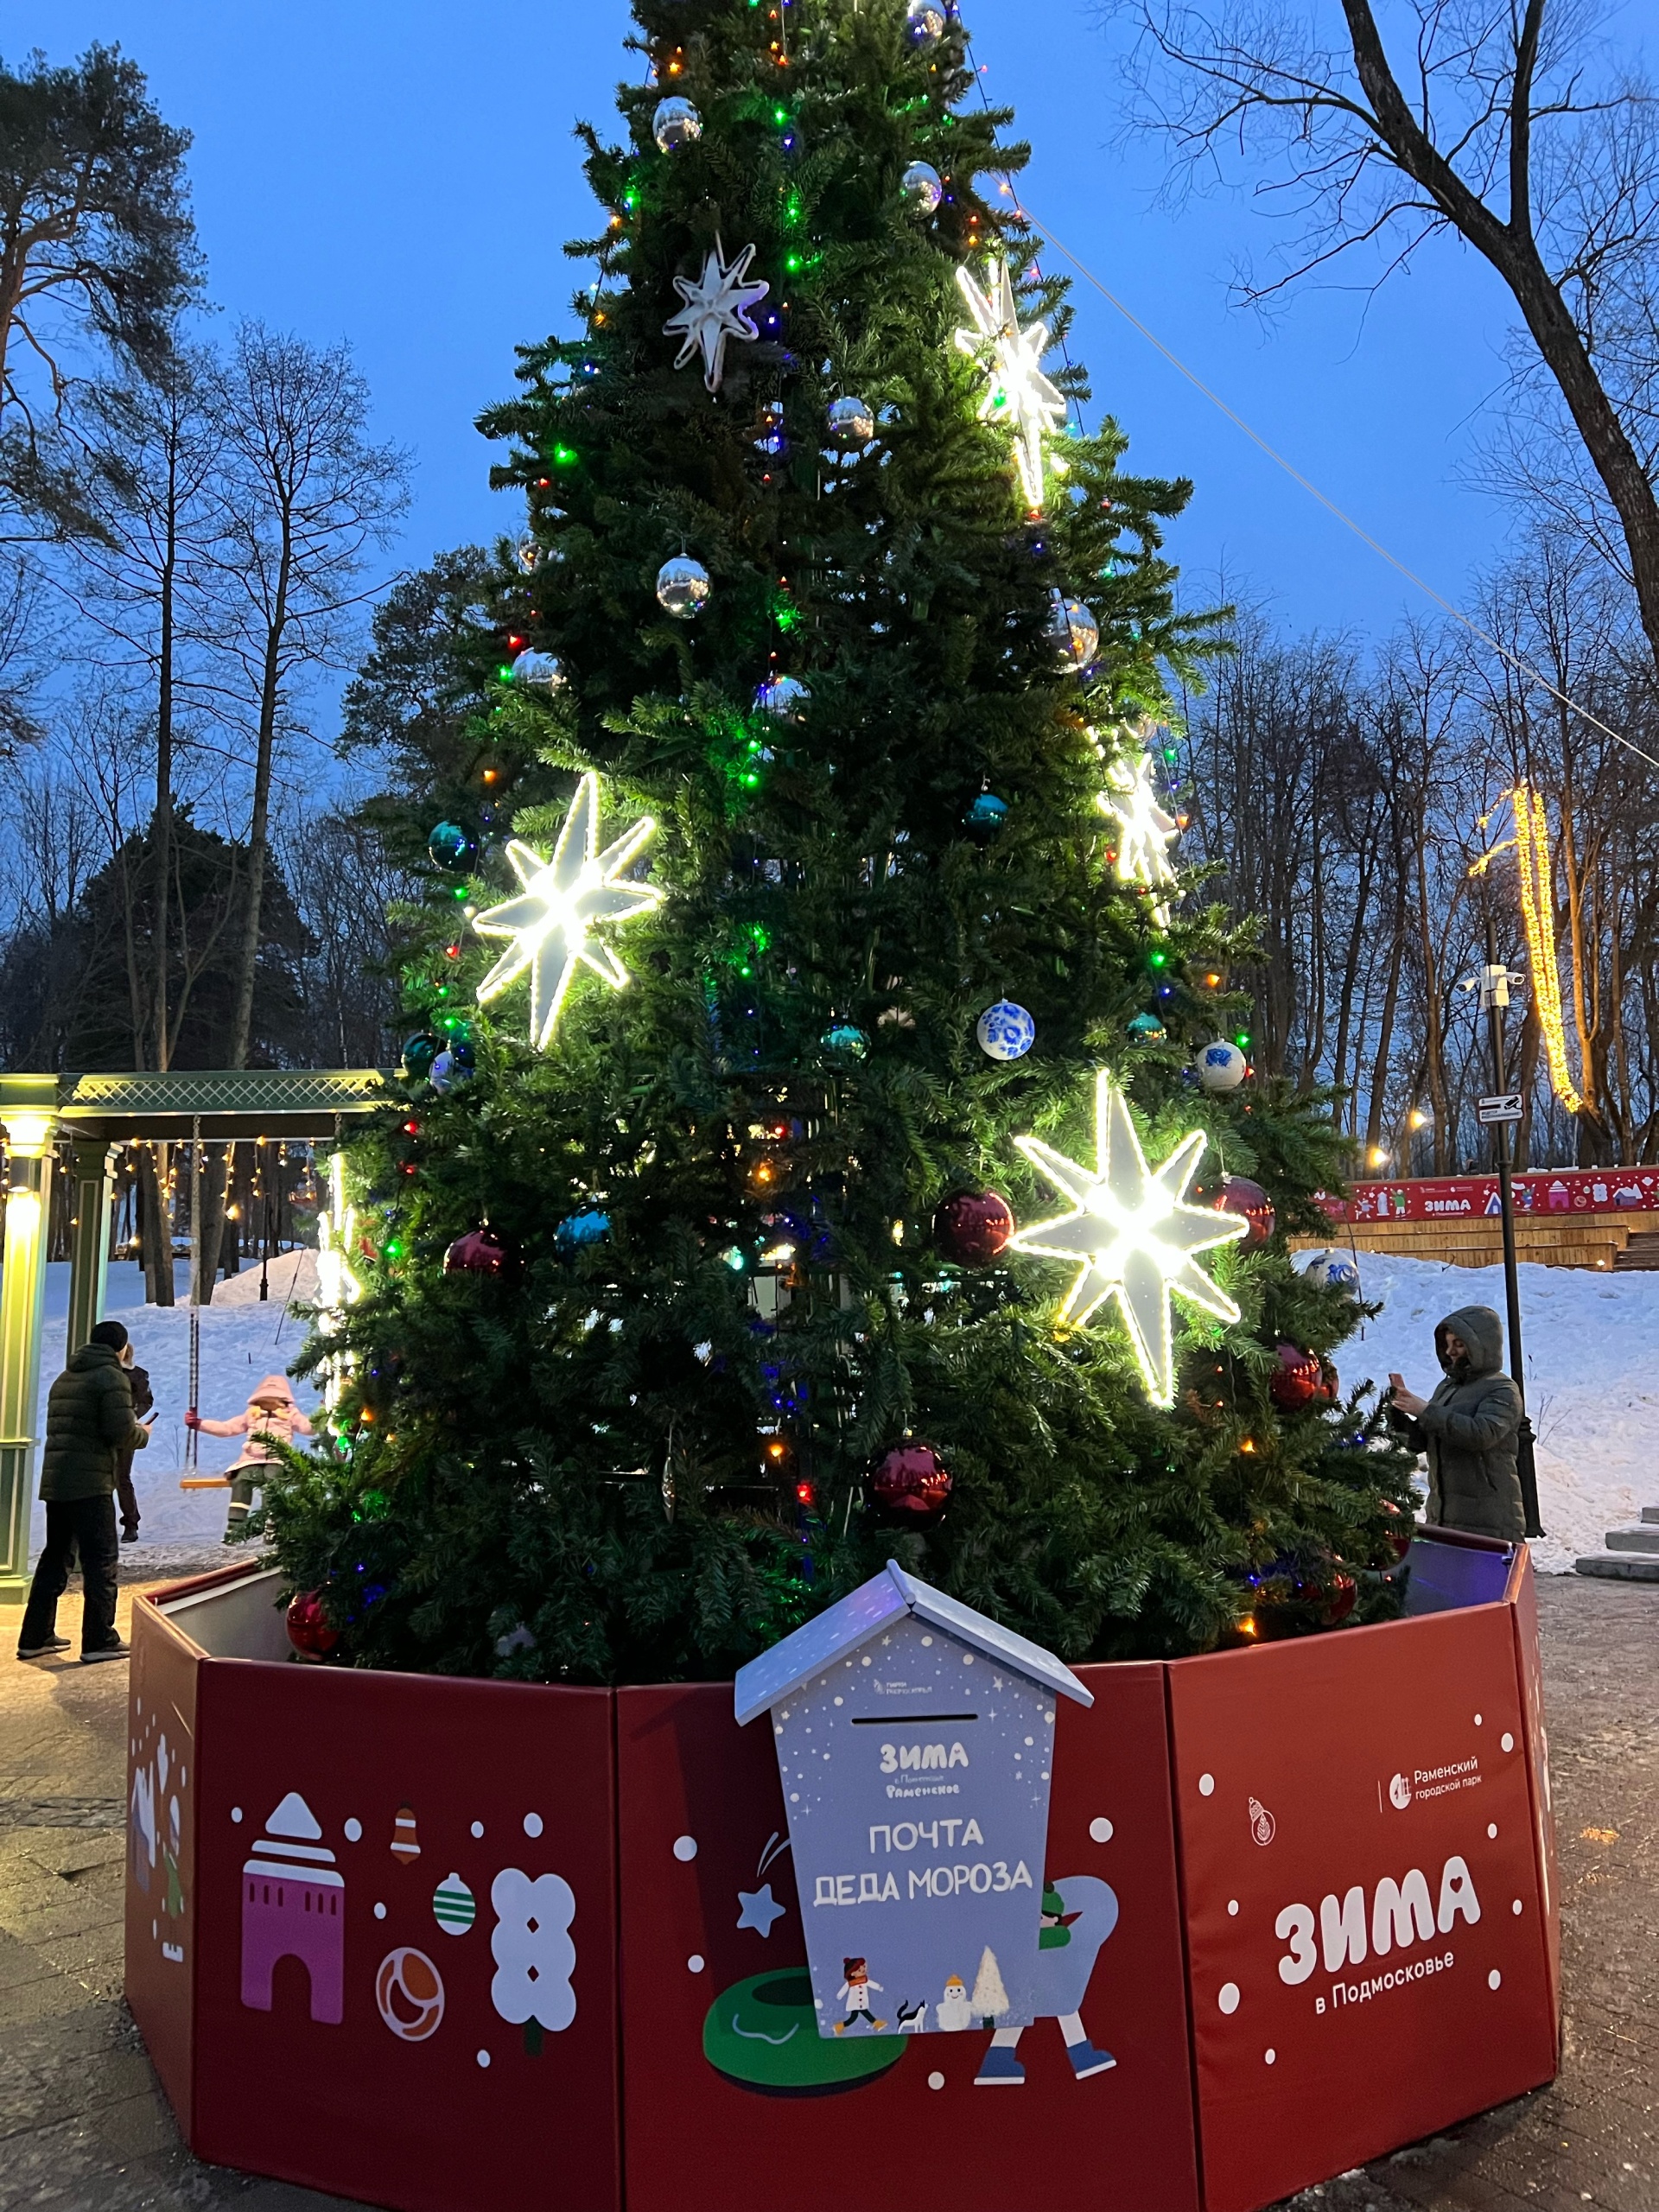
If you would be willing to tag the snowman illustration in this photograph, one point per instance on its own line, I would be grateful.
(855, 1990)
(953, 2011)
(1079, 1914)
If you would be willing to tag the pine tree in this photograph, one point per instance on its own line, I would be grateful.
(642, 1445)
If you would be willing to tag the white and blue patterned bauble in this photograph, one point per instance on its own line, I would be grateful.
(1006, 1031)
(1333, 1271)
(1221, 1066)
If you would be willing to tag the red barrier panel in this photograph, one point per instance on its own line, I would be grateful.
(720, 2040)
(1546, 1191)
(1366, 1921)
(161, 1898)
(437, 1943)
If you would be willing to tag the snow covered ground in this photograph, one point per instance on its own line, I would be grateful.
(1592, 1345)
(1592, 1383)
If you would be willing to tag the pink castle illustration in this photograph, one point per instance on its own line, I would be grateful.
(293, 1897)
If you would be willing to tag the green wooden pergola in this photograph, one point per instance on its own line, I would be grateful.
(98, 1115)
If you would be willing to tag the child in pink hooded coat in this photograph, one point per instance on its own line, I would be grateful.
(271, 1417)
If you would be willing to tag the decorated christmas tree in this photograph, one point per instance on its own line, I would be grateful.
(805, 912)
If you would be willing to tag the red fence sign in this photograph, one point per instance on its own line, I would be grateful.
(1467, 1198)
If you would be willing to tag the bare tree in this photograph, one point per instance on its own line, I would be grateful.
(301, 494)
(141, 582)
(1508, 128)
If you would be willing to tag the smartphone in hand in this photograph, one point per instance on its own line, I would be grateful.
(1396, 1382)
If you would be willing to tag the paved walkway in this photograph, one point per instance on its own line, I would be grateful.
(84, 2128)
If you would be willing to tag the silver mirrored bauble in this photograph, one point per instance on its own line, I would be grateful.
(782, 697)
(676, 124)
(922, 186)
(683, 585)
(528, 553)
(925, 20)
(538, 672)
(852, 421)
(1073, 632)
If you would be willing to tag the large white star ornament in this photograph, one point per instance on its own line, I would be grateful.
(1017, 393)
(1145, 830)
(714, 311)
(1132, 1233)
(547, 924)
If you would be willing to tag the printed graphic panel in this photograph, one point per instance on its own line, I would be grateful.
(1366, 1930)
(1087, 2109)
(160, 1883)
(407, 1911)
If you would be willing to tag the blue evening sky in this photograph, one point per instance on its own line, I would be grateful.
(404, 177)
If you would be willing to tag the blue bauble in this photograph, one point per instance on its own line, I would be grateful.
(450, 847)
(844, 1042)
(1006, 1031)
(579, 1228)
(987, 811)
(1146, 1029)
(419, 1052)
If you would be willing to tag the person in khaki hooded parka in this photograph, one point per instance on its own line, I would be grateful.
(1470, 1428)
(270, 1417)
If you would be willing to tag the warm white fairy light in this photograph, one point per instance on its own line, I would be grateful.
(338, 1285)
(1133, 1234)
(1145, 830)
(563, 898)
(1017, 393)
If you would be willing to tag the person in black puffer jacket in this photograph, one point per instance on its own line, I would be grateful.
(89, 1422)
(1470, 1428)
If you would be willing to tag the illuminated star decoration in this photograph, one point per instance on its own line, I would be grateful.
(1145, 832)
(1133, 1233)
(338, 1285)
(714, 311)
(1017, 392)
(562, 898)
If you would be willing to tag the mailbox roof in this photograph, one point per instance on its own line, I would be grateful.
(784, 1669)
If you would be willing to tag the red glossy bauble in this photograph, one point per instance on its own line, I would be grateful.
(479, 1252)
(1402, 1527)
(972, 1227)
(1342, 1597)
(308, 1627)
(911, 1483)
(1300, 1380)
(1241, 1196)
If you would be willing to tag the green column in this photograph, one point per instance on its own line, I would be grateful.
(22, 1298)
(91, 1165)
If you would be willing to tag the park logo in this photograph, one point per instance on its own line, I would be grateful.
(1399, 1793)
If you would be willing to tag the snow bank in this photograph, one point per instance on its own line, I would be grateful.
(1592, 1387)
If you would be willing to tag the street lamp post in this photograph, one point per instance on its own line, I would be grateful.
(1494, 997)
